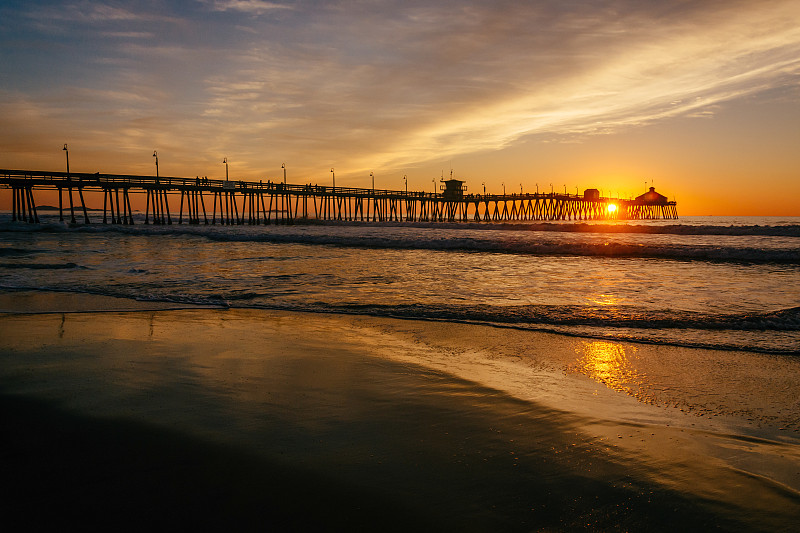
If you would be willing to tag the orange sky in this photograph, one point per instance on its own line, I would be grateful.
(702, 98)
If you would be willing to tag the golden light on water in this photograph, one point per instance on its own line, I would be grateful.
(605, 300)
(611, 364)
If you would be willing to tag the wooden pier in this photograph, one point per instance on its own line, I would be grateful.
(210, 201)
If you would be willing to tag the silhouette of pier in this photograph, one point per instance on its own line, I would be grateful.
(212, 201)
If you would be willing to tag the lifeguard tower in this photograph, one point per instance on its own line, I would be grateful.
(452, 189)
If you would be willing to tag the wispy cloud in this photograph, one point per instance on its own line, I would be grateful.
(129, 34)
(85, 12)
(256, 7)
(391, 91)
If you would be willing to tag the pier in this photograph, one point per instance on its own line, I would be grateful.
(213, 201)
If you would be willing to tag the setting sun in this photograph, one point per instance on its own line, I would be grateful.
(611, 208)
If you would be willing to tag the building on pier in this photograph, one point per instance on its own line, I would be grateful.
(652, 197)
(591, 195)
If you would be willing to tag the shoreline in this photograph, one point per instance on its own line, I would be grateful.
(608, 366)
(49, 302)
(427, 418)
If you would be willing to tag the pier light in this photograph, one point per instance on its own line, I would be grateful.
(537, 188)
(66, 150)
(225, 160)
(551, 188)
(504, 188)
(484, 188)
(333, 174)
(155, 155)
(405, 179)
(283, 166)
(520, 189)
(371, 175)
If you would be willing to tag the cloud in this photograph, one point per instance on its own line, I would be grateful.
(365, 85)
(84, 12)
(129, 34)
(431, 82)
(256, 7)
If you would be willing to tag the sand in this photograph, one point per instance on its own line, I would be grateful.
(252, 419)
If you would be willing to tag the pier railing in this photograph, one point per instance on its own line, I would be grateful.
(260, 202)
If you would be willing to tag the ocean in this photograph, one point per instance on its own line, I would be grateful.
(562, 376)
(713, 282)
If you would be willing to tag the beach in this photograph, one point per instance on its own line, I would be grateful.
(400, 266)
(265, 419)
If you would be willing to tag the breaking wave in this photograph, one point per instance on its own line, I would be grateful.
(472, 238)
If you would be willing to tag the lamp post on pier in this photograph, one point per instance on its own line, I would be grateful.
(333, 174)
(225, 160)
(372, 175)
(520, 189)
(155, 155)
(504, 188)
(484, 187)
(405, 179)
(67, 153)
(283, 166)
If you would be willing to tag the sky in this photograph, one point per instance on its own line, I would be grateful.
(700, 99)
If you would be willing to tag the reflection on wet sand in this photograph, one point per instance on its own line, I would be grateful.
(613, 365)
(422, 429)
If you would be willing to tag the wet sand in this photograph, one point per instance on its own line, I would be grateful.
(249, 419)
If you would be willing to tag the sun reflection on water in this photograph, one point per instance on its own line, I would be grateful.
(605, 300)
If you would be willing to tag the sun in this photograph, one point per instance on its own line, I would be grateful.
(611, 208)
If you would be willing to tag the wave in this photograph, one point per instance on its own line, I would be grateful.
(788, 230)
(529, 247)
(572, 315)
(451, 241)
(651, 227)
(42, 266)
(523, 240)
(776, 332)
(784, 320)
(15, 252)
(674, 229)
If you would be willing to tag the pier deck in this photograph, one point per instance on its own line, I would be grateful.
(212, 201)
